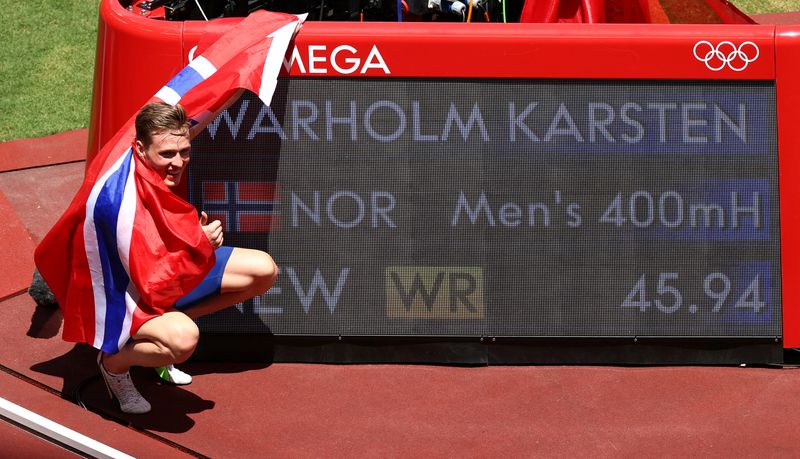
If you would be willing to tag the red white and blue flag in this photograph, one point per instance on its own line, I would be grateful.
(128, 248)
(241, 206)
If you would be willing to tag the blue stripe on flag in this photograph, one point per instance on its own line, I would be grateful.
(185, 80)
(115, 278)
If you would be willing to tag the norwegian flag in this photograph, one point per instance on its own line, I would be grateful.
(128, 248)
(242, 207)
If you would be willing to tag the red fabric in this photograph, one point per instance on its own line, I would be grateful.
(169, 252)
(172, 253)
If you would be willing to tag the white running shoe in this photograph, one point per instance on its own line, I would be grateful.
(121, 388)
(173, 375)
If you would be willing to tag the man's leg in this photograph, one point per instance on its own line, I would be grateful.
(172, 337)
(248, 273)
(167, 339)
(163, 340)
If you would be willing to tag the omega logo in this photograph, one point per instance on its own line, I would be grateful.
(343, 59)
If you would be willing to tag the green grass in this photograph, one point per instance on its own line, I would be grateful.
(46, 66)
(766, 6)
(47, 62)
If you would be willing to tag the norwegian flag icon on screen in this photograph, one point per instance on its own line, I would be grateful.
(242, 207)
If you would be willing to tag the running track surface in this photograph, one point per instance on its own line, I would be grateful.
(303, 410)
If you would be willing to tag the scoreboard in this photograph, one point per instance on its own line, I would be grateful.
(514, 208)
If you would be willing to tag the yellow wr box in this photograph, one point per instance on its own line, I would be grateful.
(427, 292)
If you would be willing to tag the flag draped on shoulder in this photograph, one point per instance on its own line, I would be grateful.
(127, 248)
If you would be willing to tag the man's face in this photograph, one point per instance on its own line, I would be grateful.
(167, 154)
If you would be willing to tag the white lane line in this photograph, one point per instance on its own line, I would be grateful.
(57, 432)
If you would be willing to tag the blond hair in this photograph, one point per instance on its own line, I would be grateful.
(157, 117)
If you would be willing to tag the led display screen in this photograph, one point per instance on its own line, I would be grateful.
(529, 208)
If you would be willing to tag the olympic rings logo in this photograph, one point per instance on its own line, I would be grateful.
(716, 58)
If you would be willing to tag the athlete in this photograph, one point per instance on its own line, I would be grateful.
(162, 143)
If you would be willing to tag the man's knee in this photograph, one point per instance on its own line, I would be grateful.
(182, 339)
(250, 271)
(265, 272)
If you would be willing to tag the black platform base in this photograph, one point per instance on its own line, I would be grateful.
(491, 351)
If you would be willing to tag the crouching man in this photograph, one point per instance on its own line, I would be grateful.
(162, 144)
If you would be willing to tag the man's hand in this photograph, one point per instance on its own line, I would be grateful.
(213, 230)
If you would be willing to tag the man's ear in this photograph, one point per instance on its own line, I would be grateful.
(139, 146)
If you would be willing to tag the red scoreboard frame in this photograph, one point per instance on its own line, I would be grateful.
(136, 55)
